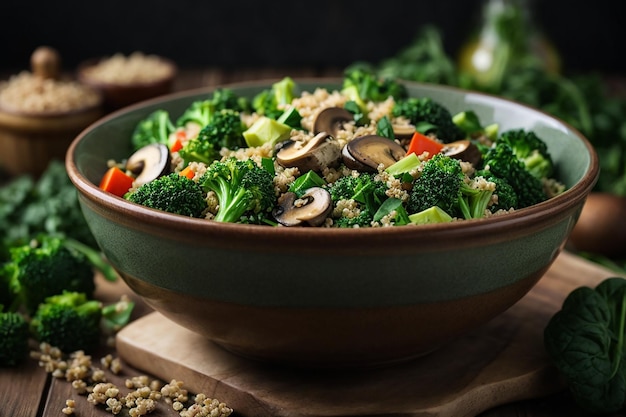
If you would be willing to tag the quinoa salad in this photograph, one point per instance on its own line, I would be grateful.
(363, 155)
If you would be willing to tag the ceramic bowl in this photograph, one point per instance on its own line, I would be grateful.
(119, 92)
(331, 297)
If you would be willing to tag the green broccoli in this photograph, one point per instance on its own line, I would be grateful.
(368, 86)
(272, 102)
(155, 128)
(531, 150)
(244, 190)
(429, 116)
(200, 112)
(14, 335)
(69, 321)
(48, 266)
(173, 193)
(225, 98)
(368, 194)
(224, 130)
(500, 161)
(507, 198)
(442, 183)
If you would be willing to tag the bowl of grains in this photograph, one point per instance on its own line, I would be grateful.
(41, 112)
(127, 79)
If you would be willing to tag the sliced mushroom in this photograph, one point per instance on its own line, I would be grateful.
(403, 131)
(149, 163)
(370, 151)
(331, 120)
(463, 150)
(318, 153)
(311, 209)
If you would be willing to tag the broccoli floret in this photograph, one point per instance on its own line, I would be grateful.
(69, 321)
(531, 150)
(507, 199)
(155, 128)
(429, 116)
(501, 162)
(48, 266)
(199, 112)
(371, 87)
(173, 193)
(272, 102)
(442, 183)
(225, 98)
(438, 185)
(368, 194)
(244, 190)
(14, 335)
(224, 130)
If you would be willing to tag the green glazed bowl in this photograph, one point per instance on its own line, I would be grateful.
(331, 297)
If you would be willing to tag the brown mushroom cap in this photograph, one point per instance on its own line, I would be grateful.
(311, 209)
(319, 152)
(149, 163)
(331, 119)
(370, 151)
(403, 131)
(463, 150)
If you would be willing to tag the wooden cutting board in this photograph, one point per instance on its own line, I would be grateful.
(501, 362)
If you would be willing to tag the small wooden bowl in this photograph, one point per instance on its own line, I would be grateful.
(121, 94)
(29, 140)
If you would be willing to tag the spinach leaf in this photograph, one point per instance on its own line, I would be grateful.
(585, 341)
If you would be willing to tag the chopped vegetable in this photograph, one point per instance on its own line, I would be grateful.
(585, 341)
(421, 143)
(116, 181)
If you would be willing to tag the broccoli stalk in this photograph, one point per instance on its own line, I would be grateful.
(244, 190)
(14, 335)
(155, 128)
(173, 193)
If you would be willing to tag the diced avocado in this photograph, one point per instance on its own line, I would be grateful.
(430, 215)
(266, 130)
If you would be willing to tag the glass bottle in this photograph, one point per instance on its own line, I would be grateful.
(506, 38)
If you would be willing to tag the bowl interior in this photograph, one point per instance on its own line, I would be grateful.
(94, 150)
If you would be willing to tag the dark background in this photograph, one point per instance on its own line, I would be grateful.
(590, 36)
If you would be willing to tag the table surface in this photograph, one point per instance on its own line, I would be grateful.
(29, 391)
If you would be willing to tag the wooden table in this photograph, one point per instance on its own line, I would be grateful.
(28, 391)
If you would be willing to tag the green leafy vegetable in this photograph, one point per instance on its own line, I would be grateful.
(585, 341)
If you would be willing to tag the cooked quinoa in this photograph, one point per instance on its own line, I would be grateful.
(138, 396)
(28, 93)
(134, 68)
(309, 105)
